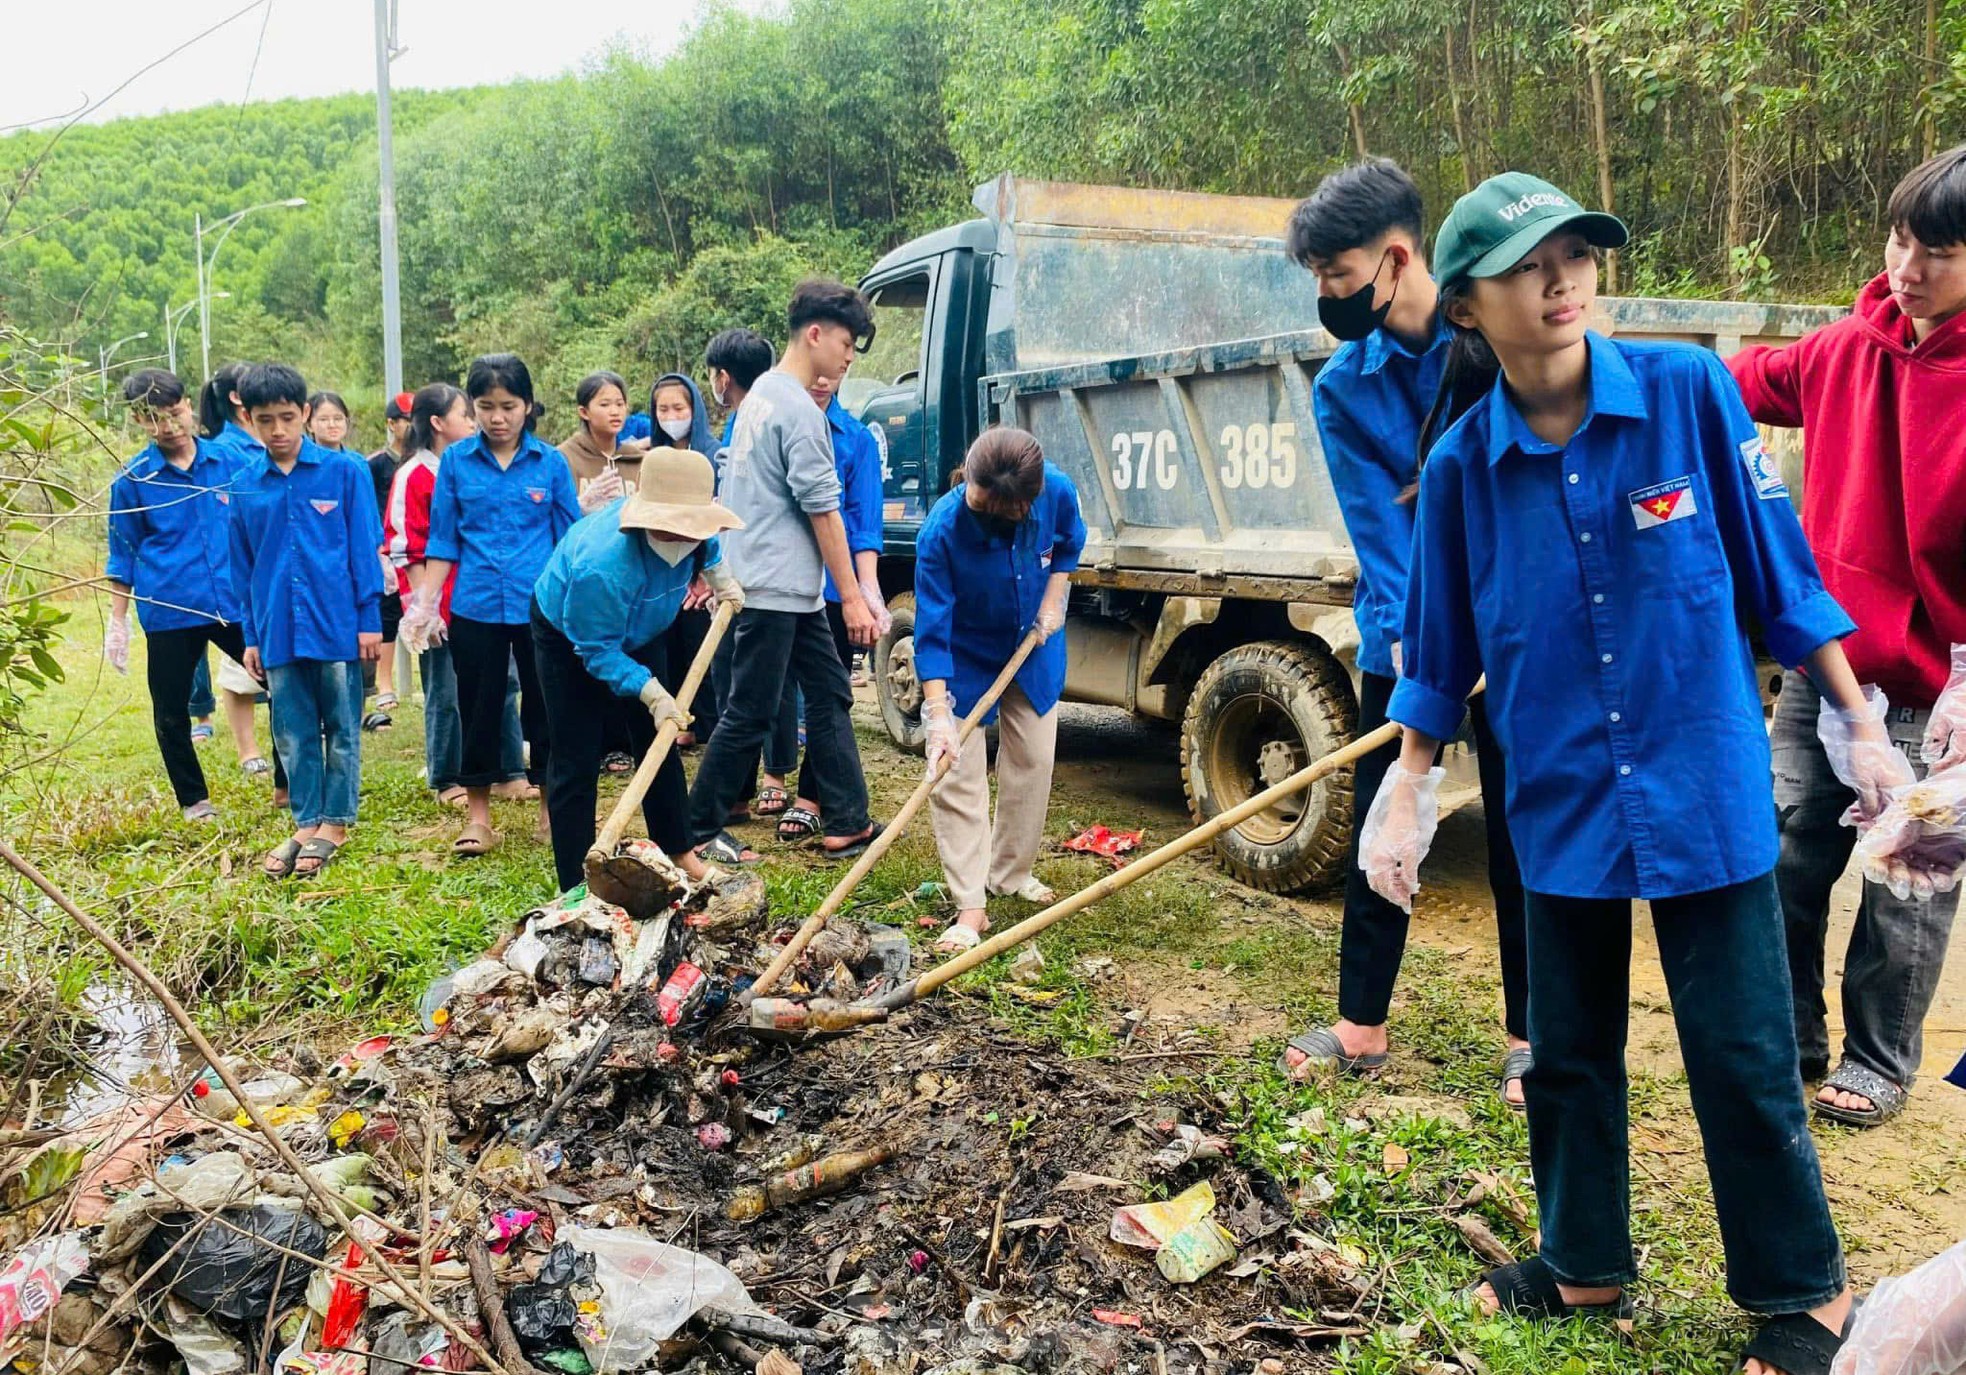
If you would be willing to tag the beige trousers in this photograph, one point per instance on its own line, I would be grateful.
(979, 858)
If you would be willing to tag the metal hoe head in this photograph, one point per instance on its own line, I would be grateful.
(637, 877)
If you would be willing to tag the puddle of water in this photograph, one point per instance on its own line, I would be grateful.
(134, 1051)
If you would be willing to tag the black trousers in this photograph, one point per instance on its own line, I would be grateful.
(582, 713)
(807, 783)
(480, 652)
(680, 646)
(771, 649)
(1374, 939)
(171, 657)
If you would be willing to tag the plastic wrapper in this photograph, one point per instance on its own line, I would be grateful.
(1915, 1325)
(648, 1290)
(543, 1312)
(1918, 846)
(1398, 832)
(230, 1272)
(32, 1280)
(1151, 1225)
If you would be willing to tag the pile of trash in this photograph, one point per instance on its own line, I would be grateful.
(595, 1157)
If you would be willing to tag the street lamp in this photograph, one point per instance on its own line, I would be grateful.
(173, 317)
(103, 355)
(206, 261)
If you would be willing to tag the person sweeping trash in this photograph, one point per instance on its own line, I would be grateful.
(600, 614)
(993, 560)
(1594, 530)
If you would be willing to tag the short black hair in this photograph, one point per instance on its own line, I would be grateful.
(743, 353)
(821, 300)
(268, 384)
(1931, 200)
(1351, 208)
(153, 388)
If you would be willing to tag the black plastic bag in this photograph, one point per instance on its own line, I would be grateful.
(231, 1276)
(544, 1311)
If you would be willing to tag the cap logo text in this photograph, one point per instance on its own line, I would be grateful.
(1530, 202)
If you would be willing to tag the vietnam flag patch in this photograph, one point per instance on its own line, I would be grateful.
(1668, 501)
(324, 507)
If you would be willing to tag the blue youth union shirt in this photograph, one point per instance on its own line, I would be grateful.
(304, 557)
(499, 525)
(613, 596)
(239, 442)
(857, 459)
(170, 538)
(1371, 399)
(1606, 586)
(977, 595)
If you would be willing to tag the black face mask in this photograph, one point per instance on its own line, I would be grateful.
(1353, 317)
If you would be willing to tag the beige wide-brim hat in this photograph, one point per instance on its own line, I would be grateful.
(677, 494)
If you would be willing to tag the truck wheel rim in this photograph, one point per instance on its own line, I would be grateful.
(903, 687)
(1255, 744)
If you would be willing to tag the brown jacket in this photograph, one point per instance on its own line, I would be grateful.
(588, 462)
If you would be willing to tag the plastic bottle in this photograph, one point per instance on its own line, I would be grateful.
(210, 1096)
(820, 1014)
(815, 1180)
(684, 989)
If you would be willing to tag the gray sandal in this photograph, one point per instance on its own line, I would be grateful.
(321, 851)
(1321, 1046)
(1887, 1099)
(284, 854)
(1516, 1065)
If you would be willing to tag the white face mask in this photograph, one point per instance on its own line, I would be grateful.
(677, 426)
(670, 551)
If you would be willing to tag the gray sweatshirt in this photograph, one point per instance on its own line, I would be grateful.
(777, 474)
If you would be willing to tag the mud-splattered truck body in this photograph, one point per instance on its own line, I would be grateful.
(1162, 348)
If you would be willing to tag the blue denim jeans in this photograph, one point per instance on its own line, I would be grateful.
(202, 704)
(317, 727)
(1727, 973)
(443, 733)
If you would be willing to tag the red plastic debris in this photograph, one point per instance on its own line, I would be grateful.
(730, 1078)
(713, 1136)
(1113, 1318)
(918, 1261)
(1097, 840)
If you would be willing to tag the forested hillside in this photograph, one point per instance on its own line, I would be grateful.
(621, 215)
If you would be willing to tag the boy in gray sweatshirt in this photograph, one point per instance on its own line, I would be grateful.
(778, 476)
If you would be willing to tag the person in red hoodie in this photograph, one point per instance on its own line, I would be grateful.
(1879, 396)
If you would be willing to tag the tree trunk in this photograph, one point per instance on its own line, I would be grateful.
(1468, 177)
(1351, 107)
(1601, 138)
(1931, 143)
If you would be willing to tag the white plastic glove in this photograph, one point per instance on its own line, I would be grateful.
(662, 706)
(728, 591)
(1915, 1325)
(1399, 830)
(1862, 756)
(422, 626)
(871, 591)
(116, 644)
(600, 492)
(1051, 619)
(939, 719)
(1945, 734)
(1918, 846)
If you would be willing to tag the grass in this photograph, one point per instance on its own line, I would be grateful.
(353, 952)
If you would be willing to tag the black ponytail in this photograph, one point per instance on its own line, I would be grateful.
(430, 403)
(215, 408)
(1469, 375)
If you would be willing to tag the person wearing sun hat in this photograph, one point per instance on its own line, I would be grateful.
(1594, 533)
(600, 609)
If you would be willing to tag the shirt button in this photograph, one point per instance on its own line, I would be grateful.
(1597, 599)
(1617, 716)
(1624, 770)
(1607, 658)
(1573, 479)
(1585, 537)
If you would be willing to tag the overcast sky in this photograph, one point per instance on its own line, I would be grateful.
(63, 54)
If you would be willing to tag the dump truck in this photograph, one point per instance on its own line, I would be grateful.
(1161, 347)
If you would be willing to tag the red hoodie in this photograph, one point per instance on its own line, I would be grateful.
(1884, 480)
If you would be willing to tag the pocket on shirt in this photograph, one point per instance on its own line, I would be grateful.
(1682, 555)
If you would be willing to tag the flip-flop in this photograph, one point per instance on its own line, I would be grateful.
(516, 790)
(385, 701)
(320, 848)
(856, 848)
(1887, 1099)
(1527, 1289)
(1796, 1343)
(286, 852)
(475, 839)
(1321, 1046)
(617, 762)
(1515, 1065)
(201, 732)
(799, 826)
(256, 765)
(772, 800)
(378, 720)
(957, 939)
(725, 848)
(454, 796)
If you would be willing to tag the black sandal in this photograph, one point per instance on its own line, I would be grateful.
(854, 849)
(1528, 1289)
(1795, 1344)
(798, 826)
(772, 800)
(725, 848)
(1516, 1065)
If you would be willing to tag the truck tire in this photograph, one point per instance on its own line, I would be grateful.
(895, 682)
(1258, 714)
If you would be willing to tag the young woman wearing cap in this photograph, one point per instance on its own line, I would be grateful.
(993, 560)
(600, 616)
(1592, 535)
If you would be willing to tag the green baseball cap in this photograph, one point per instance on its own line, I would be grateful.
(1494, 226)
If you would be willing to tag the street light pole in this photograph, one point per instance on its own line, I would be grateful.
(207, 261)
(103, 355)
(392, 304)
(174, 317)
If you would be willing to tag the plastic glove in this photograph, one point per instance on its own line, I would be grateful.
(422, 627)
(600, 492)
(116, 644)
(883, 622)
(1399, 830)
(1862, 756)
(729, 592)
(662, 706)
(1915, 1325)
(1051, 619)
(939, 719)
(1918, 846)
(1945, 734)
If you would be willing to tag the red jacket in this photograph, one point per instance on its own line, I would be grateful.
(406, 524)
(1884, 480)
